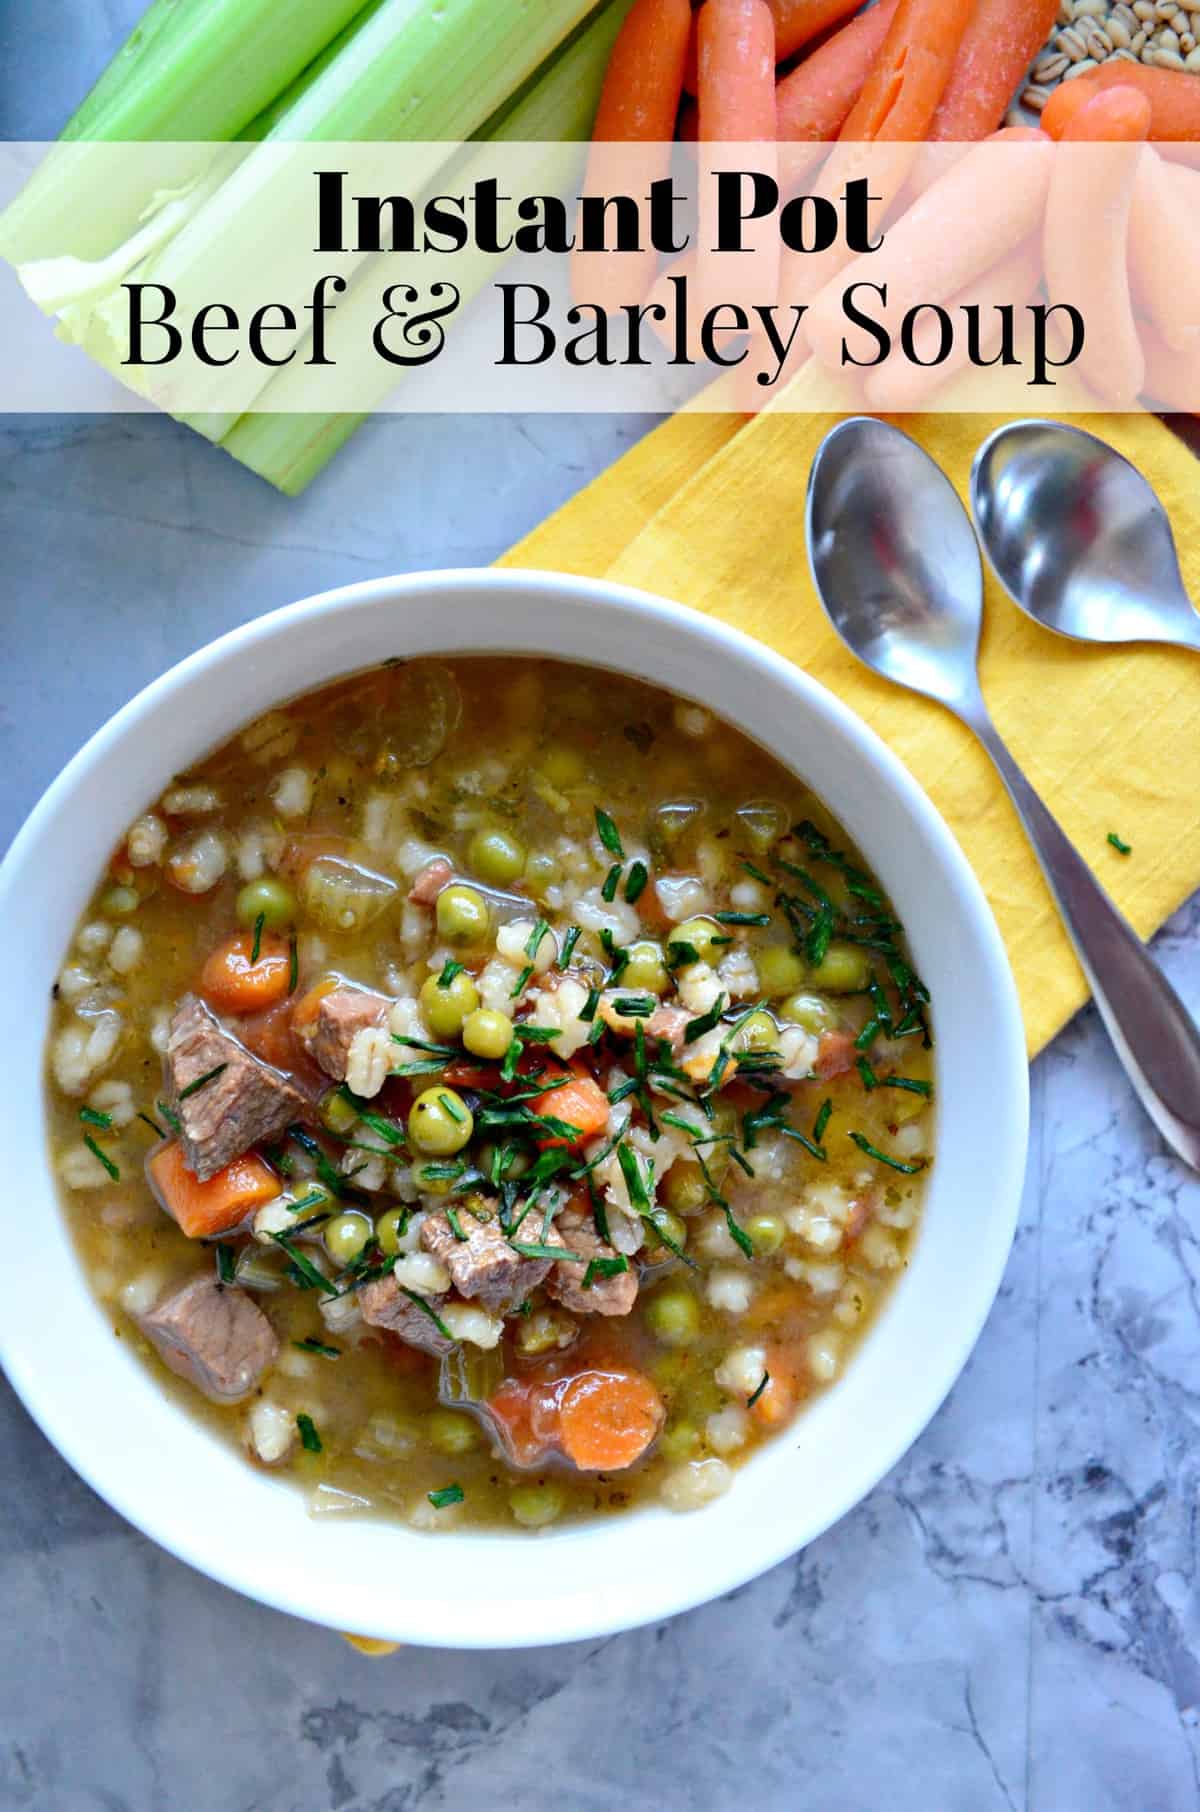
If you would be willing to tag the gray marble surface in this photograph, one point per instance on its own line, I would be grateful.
(1008, 1624)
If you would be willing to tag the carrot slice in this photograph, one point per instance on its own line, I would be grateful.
(203, 1209)
(1000, 42)
(608, 1419)
(234, 983)
(581, 1103)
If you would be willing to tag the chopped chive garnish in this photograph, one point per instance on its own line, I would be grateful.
(822, 1121)
(310, 1440)
(449, 1107)
(568, 948)
(454, 1223)
(91, 1117)
(317, 1346)
(522, 981)
(611, 882)
(623, 1091)
(449, 1494)
(762, 1385)
(313, 1279)
(256, 946)
(609, 835)
(604, 1267)
(316, 1198)
(680, 953)
(202, 1081)
(588, 1010)
(226, 1262)
(170, 1116)
(419, 1044)
(103, 1156)
(535, 939)
(742, 918)
(378, 1123)
(873, 1151)
(907, 1082)
(696, 1028)
(1122, 848)
(155, 1128)
(449, 970)
(293, 964)
(870, 1079)
(635, 1006)
(868, 1035)
(634, 1181)
(449, 1172)
(635, 885)
(757, 873)
(429, 1310)
(537, 1250)
(738, 1234)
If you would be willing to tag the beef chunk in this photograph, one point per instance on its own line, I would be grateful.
(246, 1102)
(429, 883)
(484, 1265)
(340, 1016)
(605, 1295)
(384, 1305)
(213, 1335)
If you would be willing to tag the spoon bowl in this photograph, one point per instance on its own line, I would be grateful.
(1078, 538)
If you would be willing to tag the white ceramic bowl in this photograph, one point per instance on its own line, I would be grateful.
(197, 1496)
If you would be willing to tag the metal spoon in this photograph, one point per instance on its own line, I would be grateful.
(1078, 538)
(898, 571)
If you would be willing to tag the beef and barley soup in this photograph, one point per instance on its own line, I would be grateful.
(491, 1092)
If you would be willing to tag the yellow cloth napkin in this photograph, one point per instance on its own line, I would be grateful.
(710, 512)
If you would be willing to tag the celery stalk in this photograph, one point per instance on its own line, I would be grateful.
(192, 71)
(289, 449)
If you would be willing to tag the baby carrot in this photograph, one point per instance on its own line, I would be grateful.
(986, 204)
(638, 106)
(812, 103)
(798, 22)
(607, 1419)
(1164, 249)
(204, 1209)
(1174, 98)
(239, 979)
(1001, 40)
(737, 107)
(904, 89)
(1086, 236)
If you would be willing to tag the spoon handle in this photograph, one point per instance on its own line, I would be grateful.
(1155, 1037)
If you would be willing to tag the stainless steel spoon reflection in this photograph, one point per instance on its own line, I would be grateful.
(1077, 537)
(898, 571)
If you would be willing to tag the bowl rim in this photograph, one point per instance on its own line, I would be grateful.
(1005, 1031)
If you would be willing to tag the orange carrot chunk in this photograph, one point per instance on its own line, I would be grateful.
(234, 983)
(204, 1209)
(581, 1103)
(798, 22)
(1001, 40)
(903, 91)
(1174, 97)
(607, 1419)
(737, 72)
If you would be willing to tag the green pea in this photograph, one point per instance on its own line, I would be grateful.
(683, 1187)
(336, 1114)
(496, 857)
(758, 1032)
(563, 766)
(645, 972)
(542, 870)
(462, 915)
(810, 1011)
(670, 1225)
(766, 1233)
(533, 1506)
(487, 1033)
(389, 1229)
(844, 969)
(673, 1316)
(452, 1433)
(780, 970)
(440, 1122)
(269, 900)
(446, 1008)
(680, 1441)
(706, 937)
(345, 1237)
